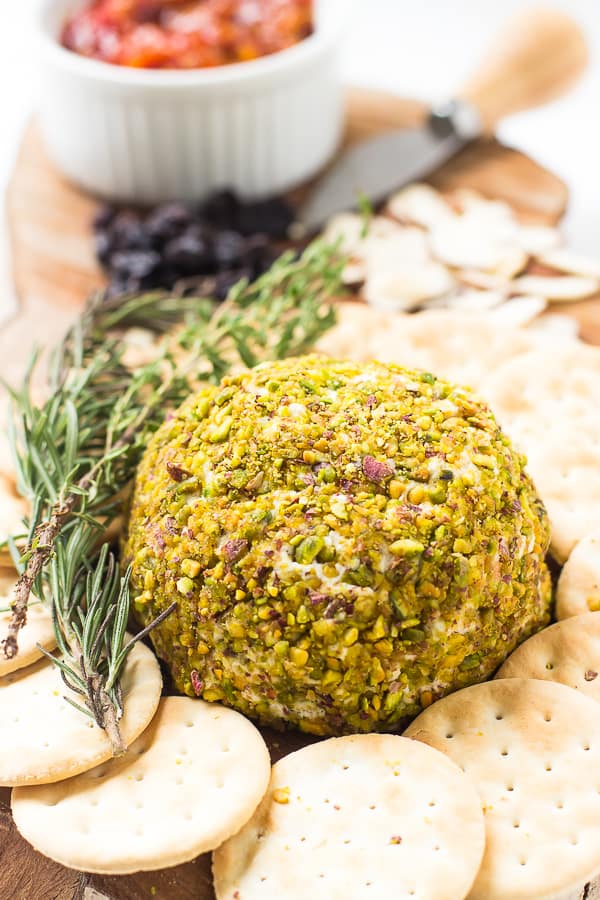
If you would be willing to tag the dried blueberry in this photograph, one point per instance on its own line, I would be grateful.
(229, 247)
(167, 221)
(207, 250)
(137, 264)
(192, 252)
(221, 209)
(272, 217)
(128, 233)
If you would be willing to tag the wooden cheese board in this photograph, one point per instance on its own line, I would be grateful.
(54, 269)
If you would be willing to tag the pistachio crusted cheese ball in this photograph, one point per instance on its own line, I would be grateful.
(346, 543)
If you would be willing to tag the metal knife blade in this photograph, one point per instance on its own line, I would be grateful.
(376, 167)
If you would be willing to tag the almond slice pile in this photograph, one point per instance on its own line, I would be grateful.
(466, 253)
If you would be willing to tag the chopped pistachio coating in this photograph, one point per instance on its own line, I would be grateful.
(346, 543)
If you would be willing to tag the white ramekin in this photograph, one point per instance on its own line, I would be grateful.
(260, 127)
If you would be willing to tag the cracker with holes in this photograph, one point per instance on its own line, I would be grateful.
(192, 779)
(568, 652)
(532, 750)
(547, 402)
(361, 816)
(38, 630)
(45, 739)
(578, 589)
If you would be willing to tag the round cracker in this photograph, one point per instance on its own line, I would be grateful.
(12, 508)
(192, 779)
(568, 652)
(547, 402)
(367, 815)
(578, 589)
(532, 749)
(38, 630)
(45, 739)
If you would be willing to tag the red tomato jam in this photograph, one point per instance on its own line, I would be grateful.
(186, 34)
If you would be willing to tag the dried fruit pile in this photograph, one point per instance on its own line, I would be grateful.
(207, 249)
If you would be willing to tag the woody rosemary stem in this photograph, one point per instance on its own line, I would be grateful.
(109, 720)
(45, 537)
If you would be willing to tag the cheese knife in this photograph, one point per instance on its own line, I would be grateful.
(536, 59)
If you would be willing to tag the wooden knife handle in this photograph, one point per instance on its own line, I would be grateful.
(537, 57)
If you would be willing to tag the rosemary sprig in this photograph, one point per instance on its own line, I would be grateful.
(77, 452)
(90, 610)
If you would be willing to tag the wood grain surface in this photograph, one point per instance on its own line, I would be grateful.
(54, 268)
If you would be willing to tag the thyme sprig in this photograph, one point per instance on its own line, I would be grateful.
(76, 453)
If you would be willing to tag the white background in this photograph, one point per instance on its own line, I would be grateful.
(420, 48)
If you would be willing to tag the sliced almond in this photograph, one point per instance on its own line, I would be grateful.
(419, 203)
(564, 260)
(511, 263)
(354, 272)
(559, 288)
(474, 204)
(536, 239)
(353, 232)
(347, 228)
(469, 300)
(388, 252)
(466, 244)
(408, 287)
(380, 227)
(519, 310)
(485, 281)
